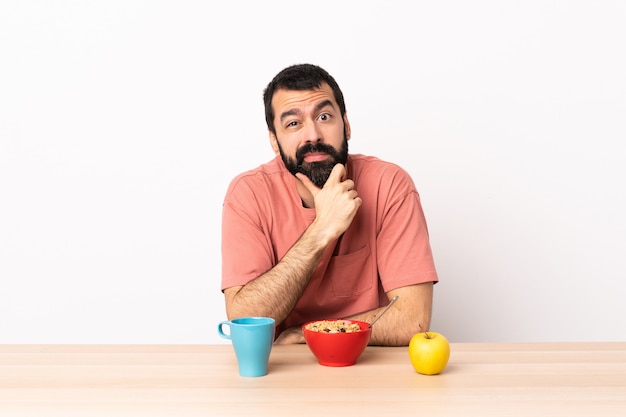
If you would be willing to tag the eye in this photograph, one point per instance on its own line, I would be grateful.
(324, 117)
(293, 123)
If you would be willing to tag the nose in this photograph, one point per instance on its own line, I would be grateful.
(312, 133)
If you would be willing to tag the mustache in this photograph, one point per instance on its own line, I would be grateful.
(313, 147)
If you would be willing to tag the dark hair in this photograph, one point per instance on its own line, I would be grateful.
(299, 77)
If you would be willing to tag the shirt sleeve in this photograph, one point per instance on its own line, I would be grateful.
(404, 254)
(246, 249)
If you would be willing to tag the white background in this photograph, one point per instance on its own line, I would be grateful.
(122, 123)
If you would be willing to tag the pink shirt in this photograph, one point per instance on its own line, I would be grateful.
(385, 247)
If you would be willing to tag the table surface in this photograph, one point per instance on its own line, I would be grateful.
(486, 379)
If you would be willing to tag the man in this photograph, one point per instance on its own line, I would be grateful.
(317, 233)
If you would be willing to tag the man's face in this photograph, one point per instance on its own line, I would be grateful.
(311, 136)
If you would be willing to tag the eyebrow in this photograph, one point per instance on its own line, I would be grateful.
(293, 112)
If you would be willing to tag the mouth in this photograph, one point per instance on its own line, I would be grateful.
(315, 156)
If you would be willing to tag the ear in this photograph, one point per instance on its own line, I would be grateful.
(346, 123)
(274, 143)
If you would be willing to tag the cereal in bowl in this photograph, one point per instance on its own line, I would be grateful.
(333, 326)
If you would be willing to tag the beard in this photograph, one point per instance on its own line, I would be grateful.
(318, 172)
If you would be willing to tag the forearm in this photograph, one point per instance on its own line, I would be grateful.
(396, 330)
(411, 314)
(276, 292)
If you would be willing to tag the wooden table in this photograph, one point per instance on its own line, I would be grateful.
(482, 379)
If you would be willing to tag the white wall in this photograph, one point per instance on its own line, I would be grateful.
(122, 122)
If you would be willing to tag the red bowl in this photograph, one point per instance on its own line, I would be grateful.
(337, 349)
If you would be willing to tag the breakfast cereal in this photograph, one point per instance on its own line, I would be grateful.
(333, 326)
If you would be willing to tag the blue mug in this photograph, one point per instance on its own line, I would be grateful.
(252, 339)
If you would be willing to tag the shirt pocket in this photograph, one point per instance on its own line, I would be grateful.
(351, 274)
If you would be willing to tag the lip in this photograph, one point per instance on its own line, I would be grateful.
(315, 156)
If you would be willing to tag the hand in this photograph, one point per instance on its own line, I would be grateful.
(291, 335)
(336, 203)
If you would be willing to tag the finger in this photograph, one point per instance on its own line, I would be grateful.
(308, 184)
(348, 184)
(338, 174)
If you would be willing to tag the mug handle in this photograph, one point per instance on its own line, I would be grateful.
(220, 331)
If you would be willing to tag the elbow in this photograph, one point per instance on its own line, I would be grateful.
(413, 328)
(236, 309)
(234, 312)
